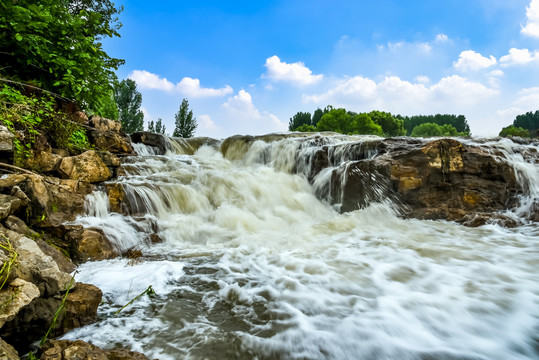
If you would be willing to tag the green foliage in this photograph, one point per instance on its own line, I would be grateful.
(56, 45)
(529, 121)
(363, 124)
(151, 126)
(511, 130)
(317, 115)
(431, 129)
(185, 122)
(305, 128)
(129, 100)
(149, 291)
(106, 107)
(159, 126)
(391, 126)
(301, 118)
(458, 122)
(338, 120)
(9, 264)
(28, 117)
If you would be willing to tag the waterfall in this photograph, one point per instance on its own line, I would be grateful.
(258, 260)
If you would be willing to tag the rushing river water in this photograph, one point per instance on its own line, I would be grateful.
(252, 265)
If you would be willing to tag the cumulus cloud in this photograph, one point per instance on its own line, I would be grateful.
(392, 91)
(532, 24)
(206, 123)
(187, 86)
(441, 38)
(470, 60)
(242, 112)
(296, 73)
(519, 57)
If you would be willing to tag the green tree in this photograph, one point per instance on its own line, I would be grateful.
(391, 126)
(511, 130)
(186, 124)
(458, 122)
(427, 130)
(159, 126)
(129, 100)
(529, 120)
(363, 124)
(151, 126)
(56, 45)
(338, 120)
(317, 115)
(305, 128)
(301, 118)
(107, 107)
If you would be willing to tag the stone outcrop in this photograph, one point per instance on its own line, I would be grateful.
(437, 179)
(158, 141)
(102, 124)
(8, 352)
(89, 244)
(87, 166)
(81, 350)
(111, 141)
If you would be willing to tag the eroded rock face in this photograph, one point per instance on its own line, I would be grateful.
(438, 179)
(81, 350)
(111, 141)
(18, 294)
(89, 244)
(103, 124)
(87, 166)
(158, 141)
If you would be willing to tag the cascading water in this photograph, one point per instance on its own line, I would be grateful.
(252, 265)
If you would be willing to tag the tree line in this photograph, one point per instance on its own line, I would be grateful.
(379, 123)
(524, 125)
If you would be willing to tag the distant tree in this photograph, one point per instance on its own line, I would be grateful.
(391, 126)
(159, 126)
(364, 125)
(511, 130)
(431, 129)
(458, 122)
(306, 128)
(185, 122)
(338, 120)
(151, 126)
(129, 100)
(301, 118)
(528, 120)
(318, 113)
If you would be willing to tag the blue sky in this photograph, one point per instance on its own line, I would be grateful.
(246, 67)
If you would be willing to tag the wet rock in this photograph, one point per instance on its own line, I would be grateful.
(158, 141)
(80, 307)
(103, 124)
(155, 239)
(109, 159)
(133, 254)
(117, 198)
(52, 201)
(87, 166)
(8, 352)
(81, 350)
(17, 225)
(17, 295)
(9, 205)
(437, 179)
(111, 141)
(90, 244)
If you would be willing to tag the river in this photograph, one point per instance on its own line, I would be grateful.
(253, 265)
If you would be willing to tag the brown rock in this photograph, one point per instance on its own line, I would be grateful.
(61, 152)
(90, 244)
(18, 294)
(8, 352)
(17, 225)
(111, 141)
(87, 166)
(80, 307)
(9, 205)
(81, 350)
(103, 124)
(158, 141)
(79, 117)
(6, 140)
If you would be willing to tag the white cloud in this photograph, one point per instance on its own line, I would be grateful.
(532, 25)
(519, 57)
(528, 98)
(422, 79)
(393, 92)
(242, 113)
(206, 123)
(187, 86)
(147, 80)
(441, 38)
(296, 73)
(191, 87)
(470, 60)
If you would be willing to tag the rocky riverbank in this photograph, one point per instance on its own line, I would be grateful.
(450, 179)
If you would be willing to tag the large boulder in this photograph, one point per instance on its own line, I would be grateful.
(87, 166)
(17, 295)
(50, 201)
(89, 244)
(81, 350)
(158, 141)
(111, 141)
(102, 124)
(433, 179)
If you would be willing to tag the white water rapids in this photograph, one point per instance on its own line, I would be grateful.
(254, 266)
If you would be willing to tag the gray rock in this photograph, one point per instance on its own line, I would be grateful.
(8, 205)
(8, 352)
(18, 294)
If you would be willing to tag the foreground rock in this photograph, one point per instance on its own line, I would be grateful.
(81, 350)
